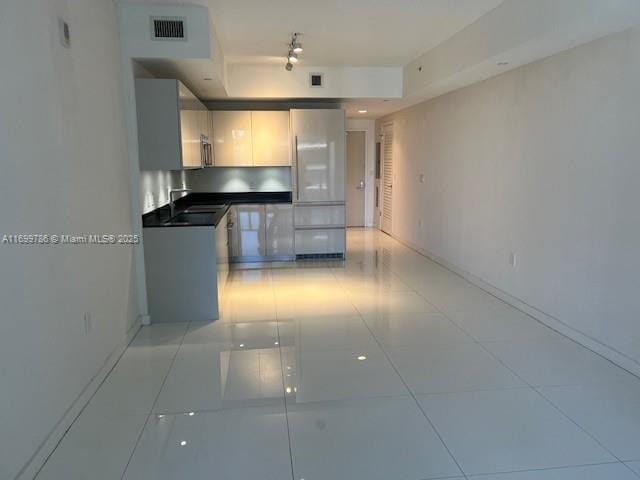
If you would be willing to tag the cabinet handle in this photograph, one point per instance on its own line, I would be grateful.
(297, 171)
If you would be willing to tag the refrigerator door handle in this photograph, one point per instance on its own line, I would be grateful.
(297, 169)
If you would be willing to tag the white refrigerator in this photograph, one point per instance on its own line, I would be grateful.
(319, 171)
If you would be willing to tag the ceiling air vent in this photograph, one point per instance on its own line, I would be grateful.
(316, 80)
(168, 28)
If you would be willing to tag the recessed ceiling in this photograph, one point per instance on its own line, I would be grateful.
(340, 32)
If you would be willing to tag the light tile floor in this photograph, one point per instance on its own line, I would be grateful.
(383, 367)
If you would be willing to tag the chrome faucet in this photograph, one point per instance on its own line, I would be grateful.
(172, 204)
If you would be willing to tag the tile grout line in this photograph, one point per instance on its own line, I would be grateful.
(452, 272)
(543, 469)
(153, 404)
(531, 386)
(86, 404)
(409, 390)
(499, 360)
(528, 385)
(284, 393)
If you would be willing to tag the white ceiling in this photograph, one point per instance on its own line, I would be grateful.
(340, 32)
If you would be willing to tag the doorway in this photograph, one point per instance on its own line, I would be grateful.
(355, 200)
(387, 179)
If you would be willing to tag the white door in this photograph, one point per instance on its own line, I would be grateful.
(387, 178)
(355, 178)
(319, 155)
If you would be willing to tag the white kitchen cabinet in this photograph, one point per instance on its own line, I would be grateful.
(320, 241)
(231, 138)
(319, 145)
(279, 230)
(181, 273)
(171, 125)
(270, 135)
(315, 215)
(260, 232)
(248, 233)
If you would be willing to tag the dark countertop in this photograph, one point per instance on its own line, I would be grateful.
(204, 209)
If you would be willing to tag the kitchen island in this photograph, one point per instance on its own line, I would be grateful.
(187, 251)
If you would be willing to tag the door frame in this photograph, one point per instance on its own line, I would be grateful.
(369, 167)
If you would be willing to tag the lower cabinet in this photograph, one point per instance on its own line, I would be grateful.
(181, 273)
(279, 230)
(248, 232)
(222, 254)
(260, 232)
(320, 241)
(319, 230)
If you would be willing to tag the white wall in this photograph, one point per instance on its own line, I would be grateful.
(542, 161)
(64, 170)
(273, 81)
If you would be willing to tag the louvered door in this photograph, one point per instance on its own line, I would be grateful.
(387, 178)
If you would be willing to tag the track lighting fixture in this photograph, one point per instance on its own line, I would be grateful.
(295, 48)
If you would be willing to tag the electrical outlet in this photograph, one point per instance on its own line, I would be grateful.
(88, 323)
(422, 178)
(420, 222)
(513, 259)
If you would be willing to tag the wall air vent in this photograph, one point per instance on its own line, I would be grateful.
(168, 28)
(316, 80)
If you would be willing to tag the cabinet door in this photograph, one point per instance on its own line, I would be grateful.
(190, 130)
(319, 155)
(270, 133)
(249, 231)
(330, 241)
(231, 138)
(185, 136)
(279, 231)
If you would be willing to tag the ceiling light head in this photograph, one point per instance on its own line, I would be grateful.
(362, 110)
(293, 57)
(296, 47)
(288, 67)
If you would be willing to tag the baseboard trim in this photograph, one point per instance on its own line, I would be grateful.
(38, 459)
(620, 359)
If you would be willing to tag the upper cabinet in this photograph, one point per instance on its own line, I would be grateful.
(250, 138)
(231, 134)
(173, 130)
(270, 132)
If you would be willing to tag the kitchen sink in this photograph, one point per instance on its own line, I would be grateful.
(192, 218)
(204, 208)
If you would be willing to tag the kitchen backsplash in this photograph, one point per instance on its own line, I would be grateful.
(155, 184)
(240, 179)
